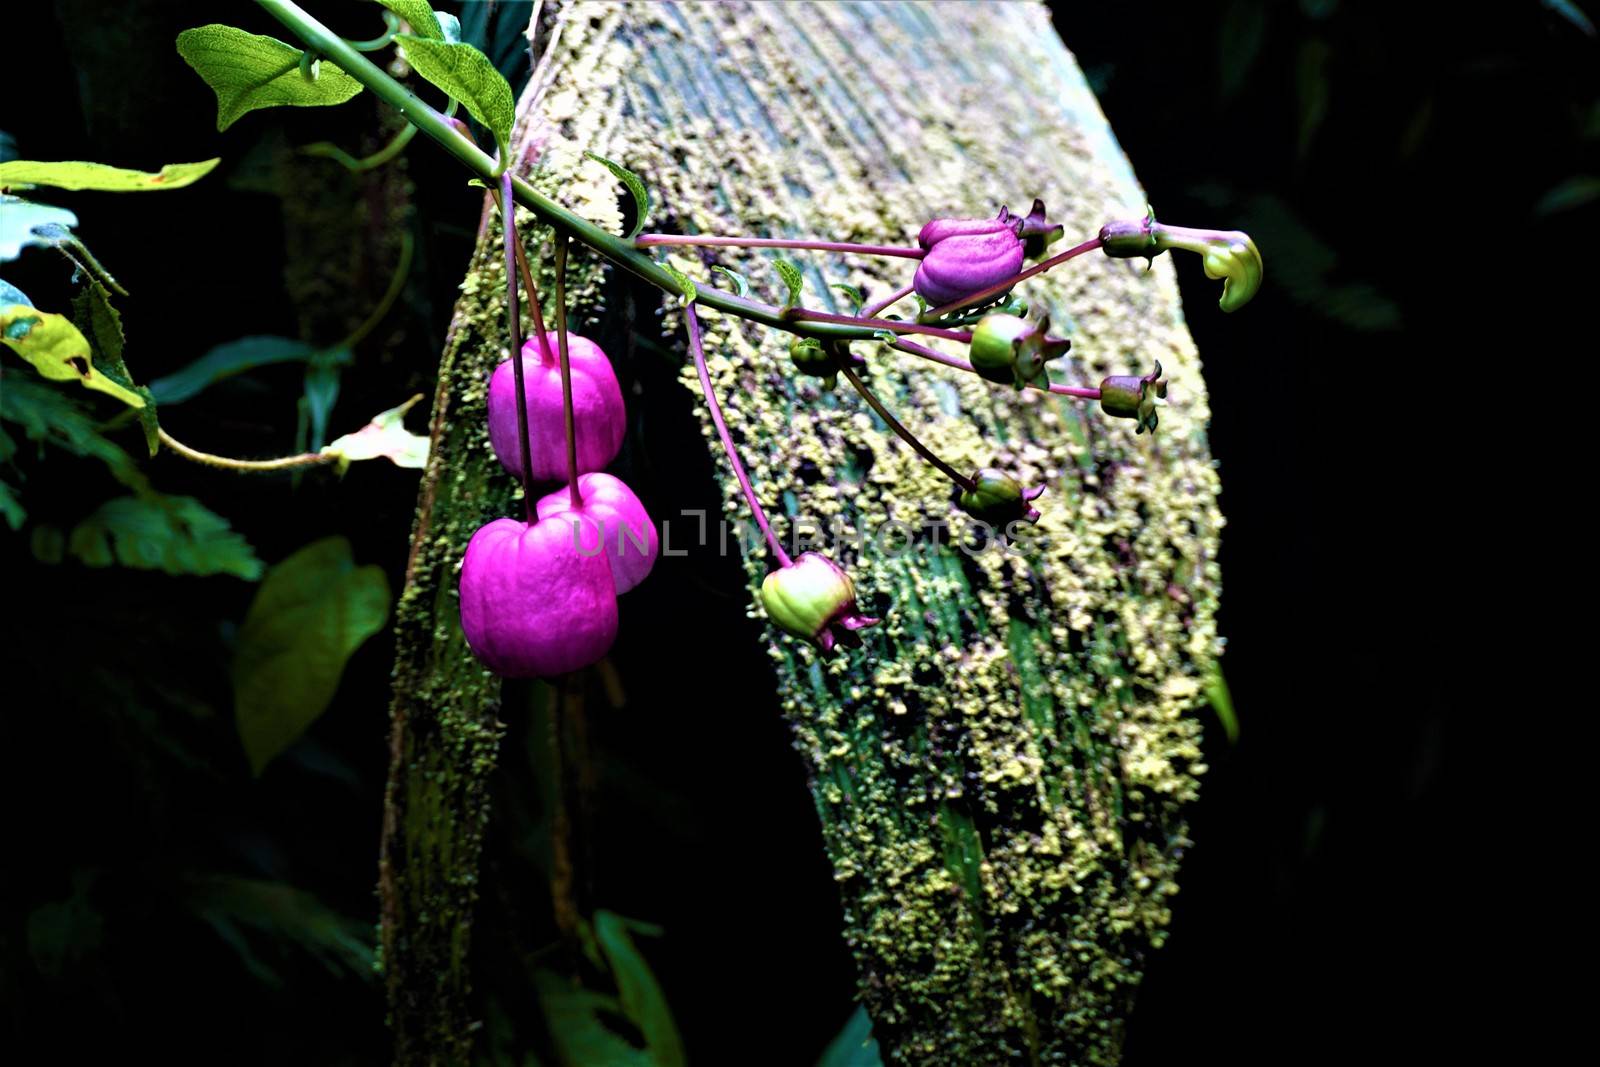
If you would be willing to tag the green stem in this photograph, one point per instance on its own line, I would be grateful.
(390, 295)
(315, 35)
(244, 466)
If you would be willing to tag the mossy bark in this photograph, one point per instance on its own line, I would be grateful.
(999, 773)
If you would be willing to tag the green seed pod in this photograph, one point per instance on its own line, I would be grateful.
(820, 359)
(1129, 397)
(999, 499)
(1012, 350)
(809, 597)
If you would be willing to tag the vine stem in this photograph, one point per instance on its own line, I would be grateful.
(870, 310)
(698, 350)
(892, 325)
(508, 226)
(255, 466)
(999, 287)
(566, 374)
(705, 240)
(905, 435)
(622, 253)
(1082, 392)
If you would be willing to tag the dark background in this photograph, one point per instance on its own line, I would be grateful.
(1401, 167)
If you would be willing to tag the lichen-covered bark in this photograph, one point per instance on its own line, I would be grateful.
(999, 773)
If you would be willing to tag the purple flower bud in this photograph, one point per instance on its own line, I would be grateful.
(596, 407)
(624, 526)
(966, 255)
(810, 597)
(999, 499)
(534, 604)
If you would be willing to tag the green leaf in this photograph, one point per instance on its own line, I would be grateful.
(419, 15)
(20, 220)
(98, 176)
(576, 1018)
(687, 290)
(175, 534)
(740, 286)
(322, 390)
(249, 71)
(466, 74)
(50, 417)
(387, 436)
(793, 280)
(58, 351)
(1573, 193)
(100, 321)
(853, 295)
(635, 186)
(226, 360)
(855, 1046)
(311, 613)
(10, 294)
(637, 988)
(283, 914)
(1221, 700)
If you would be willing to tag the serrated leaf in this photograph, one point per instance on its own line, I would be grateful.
(419, 15)
(226, 360)
(58, 350)
(852, 294)
(793, 281)
(465, 74)
(740, 286)
(100, 321)
(688, 292)
(100, 177)
(636, 188)
(50, 417)
(387, 436)
(20, 221)
(637, 989)
(10, 294)
(250, 71)
(152, 531)
(310, 615)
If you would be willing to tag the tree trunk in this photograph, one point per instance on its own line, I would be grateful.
(999, 774)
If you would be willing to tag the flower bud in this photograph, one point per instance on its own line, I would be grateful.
(1012, 350)
(598, 413)
(811, 596)
(999, 499)
(822, 359)
(966, 255)
(1227, 254)
(534, 604)
(1129, 397)
(624, 527)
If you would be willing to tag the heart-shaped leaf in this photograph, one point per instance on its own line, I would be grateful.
(465, 74)
(249, 71)
(312, 612)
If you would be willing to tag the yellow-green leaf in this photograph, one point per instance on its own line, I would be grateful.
(57, 350)
(419, 15)
(71, 174)
(467, 75)
(310, 615)
(250, 71)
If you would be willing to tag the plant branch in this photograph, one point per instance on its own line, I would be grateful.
(904, 434)
(999, 287)
(508, 226)
(566, 374)
(703, 240)
(698, 350)
(244, 466)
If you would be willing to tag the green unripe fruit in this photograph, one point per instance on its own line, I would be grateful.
(809, 597)
(1012, 350)
(1128, 397)
(999, 499)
